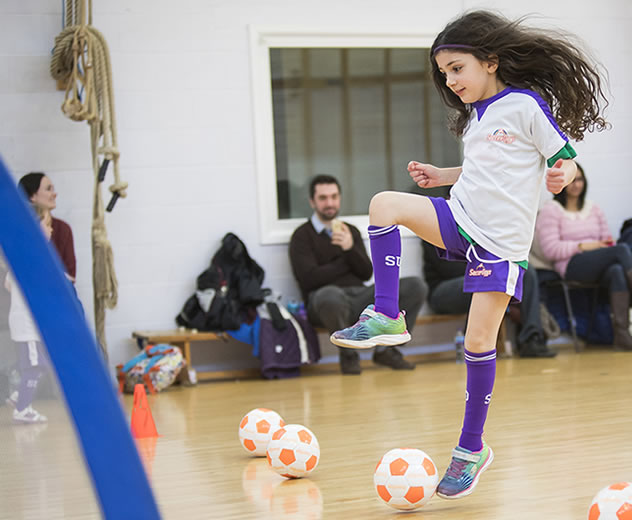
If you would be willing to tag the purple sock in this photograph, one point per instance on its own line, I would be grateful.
(481, 372)
(386, 249)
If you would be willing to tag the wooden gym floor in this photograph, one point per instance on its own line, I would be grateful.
(561, 429)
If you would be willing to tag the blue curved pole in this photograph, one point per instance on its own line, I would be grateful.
(110, 453)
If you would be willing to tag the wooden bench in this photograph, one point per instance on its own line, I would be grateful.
(181, 338)
(184, 337)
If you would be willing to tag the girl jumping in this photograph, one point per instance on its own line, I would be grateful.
(516, 93)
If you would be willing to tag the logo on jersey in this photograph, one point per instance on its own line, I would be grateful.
(501, 136)
(391, 261)
(480, 271)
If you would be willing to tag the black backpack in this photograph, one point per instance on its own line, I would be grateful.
(228, 292)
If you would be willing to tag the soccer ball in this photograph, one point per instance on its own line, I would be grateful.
(405, 478)
(293, 451)
(612, 503)
(256, 429)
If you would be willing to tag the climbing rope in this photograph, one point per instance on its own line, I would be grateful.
(81, 61)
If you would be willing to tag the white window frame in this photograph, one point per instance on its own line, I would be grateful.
(272, 229)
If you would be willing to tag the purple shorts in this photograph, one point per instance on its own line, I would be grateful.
(485, 271)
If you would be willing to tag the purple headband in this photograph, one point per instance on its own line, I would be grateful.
(451, 46)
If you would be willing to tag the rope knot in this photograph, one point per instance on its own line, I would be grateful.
(73, 109)
(120, 188)
(109, 152)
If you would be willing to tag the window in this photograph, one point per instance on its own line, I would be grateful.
(356, 111)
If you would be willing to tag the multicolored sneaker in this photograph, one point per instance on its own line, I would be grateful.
(465, 469)
(28, 416)
(373, 329)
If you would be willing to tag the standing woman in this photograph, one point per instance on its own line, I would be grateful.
(40, 190)
(573, 232)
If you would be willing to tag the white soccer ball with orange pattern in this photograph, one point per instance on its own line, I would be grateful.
(406, 478)
(612, 503)
(256, 429)
(293, 451)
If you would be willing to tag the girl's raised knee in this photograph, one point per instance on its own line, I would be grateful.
(382, 203)
(380, 199)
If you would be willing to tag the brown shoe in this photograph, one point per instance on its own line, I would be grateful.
(350, 361)
(391, 357)
(620, 309)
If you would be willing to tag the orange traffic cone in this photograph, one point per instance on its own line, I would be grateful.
(142, 420)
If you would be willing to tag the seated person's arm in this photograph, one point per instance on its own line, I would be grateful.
(309, 274)
(357, 258)
(547, 228)
(604, 230)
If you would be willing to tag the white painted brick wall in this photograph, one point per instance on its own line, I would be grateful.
(185, 125)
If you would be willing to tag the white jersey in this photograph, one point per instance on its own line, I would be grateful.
(21, 324)
(506, 145)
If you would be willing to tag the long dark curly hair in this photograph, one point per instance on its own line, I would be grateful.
(554, 66)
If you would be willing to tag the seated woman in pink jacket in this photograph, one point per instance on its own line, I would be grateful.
(574, 234)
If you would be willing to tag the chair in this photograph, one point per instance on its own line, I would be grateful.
(551, 279)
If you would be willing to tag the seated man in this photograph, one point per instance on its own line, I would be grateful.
(446, 296)
(330, 264)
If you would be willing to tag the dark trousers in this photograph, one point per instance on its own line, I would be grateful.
(32, 360)
(607, 266)
(448, 298)
(336, 308)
